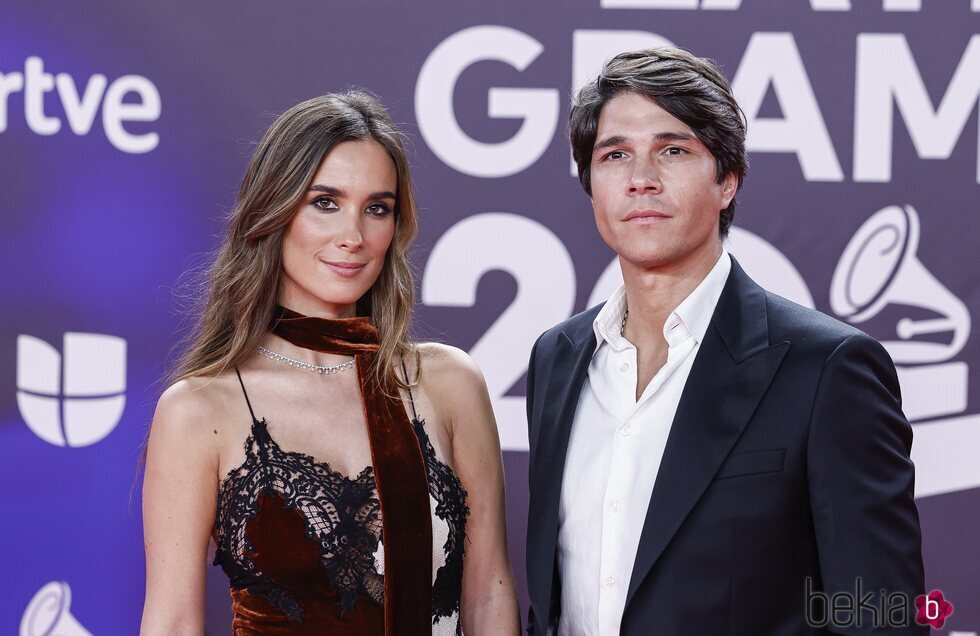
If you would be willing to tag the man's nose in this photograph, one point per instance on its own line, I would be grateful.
(645, 177)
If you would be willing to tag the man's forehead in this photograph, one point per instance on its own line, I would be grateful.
(632, 115)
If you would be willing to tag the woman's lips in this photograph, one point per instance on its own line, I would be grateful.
(347, 270)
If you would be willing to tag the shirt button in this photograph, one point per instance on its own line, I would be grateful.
(625, 431)
(610, 581)
(624, 367)
(614, 506)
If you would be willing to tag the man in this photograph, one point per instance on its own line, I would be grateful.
(706, 457)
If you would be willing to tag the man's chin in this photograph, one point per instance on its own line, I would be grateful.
(646, 259)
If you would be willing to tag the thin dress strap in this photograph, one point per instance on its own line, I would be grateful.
(238, 373)
(411, 400)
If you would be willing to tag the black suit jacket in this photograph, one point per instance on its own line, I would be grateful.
(788, 460)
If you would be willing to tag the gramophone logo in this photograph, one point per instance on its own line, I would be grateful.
(75, 399)
(879, 268)
(49, 613)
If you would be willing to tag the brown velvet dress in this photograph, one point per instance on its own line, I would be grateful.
(301, 543)
(305, 547)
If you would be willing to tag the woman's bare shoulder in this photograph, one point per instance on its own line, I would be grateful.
(197, 393)
(451, 376)
(193, 401)
(446, 361)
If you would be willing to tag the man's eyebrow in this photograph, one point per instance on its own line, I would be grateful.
(670, 135)
(337, 192)
(606, 142)
(675, 136)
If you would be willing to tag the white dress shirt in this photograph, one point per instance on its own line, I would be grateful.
(614, 454)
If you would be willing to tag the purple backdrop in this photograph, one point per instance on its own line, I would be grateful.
(124, 130)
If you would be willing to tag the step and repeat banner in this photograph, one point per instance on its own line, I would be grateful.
(125, 129)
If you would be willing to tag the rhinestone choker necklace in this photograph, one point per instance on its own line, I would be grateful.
(307, 366)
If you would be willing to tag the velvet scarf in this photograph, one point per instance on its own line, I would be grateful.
(399, 468)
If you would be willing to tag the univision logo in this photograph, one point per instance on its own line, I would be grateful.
(75, 399)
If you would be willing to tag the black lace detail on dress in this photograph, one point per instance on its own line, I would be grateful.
(446, 489)
(342, 514)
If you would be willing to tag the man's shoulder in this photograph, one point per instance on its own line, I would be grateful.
(575, 329)
(805, 328)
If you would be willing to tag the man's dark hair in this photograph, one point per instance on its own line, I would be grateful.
(690, 88)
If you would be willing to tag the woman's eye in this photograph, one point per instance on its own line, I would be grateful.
(324, 203)
(378, 209)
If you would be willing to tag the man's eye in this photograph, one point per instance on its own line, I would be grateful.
(324, 203)
(675, 151)
(616, 154)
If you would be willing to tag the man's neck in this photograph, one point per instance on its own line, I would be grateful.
(653, 293)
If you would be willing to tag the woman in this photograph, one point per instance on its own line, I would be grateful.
(319, 448)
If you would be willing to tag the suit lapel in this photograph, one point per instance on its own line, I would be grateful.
(733, 368)
(573, 354)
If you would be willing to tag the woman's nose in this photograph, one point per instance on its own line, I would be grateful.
(349, 235)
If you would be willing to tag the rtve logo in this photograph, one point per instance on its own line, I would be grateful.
(130, 98)
(75, 399)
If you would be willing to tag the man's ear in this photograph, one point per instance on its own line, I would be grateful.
(729, 186)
